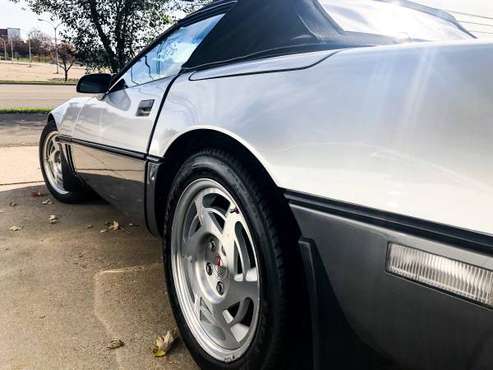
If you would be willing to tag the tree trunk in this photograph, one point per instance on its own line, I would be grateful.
(110, 54)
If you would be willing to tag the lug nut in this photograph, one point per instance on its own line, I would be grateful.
(220, 288)
(212, 246)
(208, 269)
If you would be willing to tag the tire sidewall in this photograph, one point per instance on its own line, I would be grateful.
(68, 197)
(257, 355)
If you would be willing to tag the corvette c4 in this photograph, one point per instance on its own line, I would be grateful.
(321, 175)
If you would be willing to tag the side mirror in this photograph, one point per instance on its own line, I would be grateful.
(96, 83)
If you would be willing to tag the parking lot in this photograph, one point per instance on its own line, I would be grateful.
(67, 288)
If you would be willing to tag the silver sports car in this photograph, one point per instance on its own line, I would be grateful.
(321, 175)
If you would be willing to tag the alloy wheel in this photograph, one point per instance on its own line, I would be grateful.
(52, 162)
(215, 270)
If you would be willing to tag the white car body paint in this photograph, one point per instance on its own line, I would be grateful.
(406, 129)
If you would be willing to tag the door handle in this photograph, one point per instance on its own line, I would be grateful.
(145, 107)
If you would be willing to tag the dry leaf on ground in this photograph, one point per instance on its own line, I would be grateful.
(89, 226)
(15, 228)
(53, 219)
(46, 202)
(111, 226)
(164, 343)
(37, 194)
(13, 204)
(115, 343)
(114, 226)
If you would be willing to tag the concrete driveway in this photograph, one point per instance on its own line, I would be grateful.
(67, 289)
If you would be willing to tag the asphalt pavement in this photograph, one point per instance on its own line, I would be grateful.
(67, 289)
(20, 129)
(35, 96)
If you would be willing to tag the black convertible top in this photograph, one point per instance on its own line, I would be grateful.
(253, 28)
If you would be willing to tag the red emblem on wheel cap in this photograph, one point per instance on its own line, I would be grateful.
(219, 261)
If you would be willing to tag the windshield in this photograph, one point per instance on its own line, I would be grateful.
(391, 20)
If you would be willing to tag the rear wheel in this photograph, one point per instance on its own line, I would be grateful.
(224, 265)
(55, 170)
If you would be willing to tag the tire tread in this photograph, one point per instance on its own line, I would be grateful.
(264, 206)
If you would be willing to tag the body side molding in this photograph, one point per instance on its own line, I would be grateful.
(430, 230)
(108, 148)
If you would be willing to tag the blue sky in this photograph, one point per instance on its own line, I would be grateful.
(12, 15)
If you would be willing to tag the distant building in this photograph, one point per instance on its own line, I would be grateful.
(14, 33)
(10, 33)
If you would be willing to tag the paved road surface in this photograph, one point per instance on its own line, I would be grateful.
(19, 129)
(36, 96)
(66, 290)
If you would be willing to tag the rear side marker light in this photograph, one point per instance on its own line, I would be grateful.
(452, 276)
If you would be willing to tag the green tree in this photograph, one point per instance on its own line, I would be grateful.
(66, 57)
(108, 33)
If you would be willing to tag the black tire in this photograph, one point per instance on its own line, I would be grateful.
(269, 346)
(78, 192)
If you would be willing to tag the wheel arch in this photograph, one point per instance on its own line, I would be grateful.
(51, 118)
(194, 140)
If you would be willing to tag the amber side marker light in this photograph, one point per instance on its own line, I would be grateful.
(459, 278)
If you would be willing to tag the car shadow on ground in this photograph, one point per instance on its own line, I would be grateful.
(68, 288)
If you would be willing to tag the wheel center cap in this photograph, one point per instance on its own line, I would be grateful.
(219, 268)
(218, 261)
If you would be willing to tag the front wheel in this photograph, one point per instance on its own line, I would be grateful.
(55, 171)
(225, 266)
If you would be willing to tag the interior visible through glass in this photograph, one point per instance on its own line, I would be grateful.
(167, 57)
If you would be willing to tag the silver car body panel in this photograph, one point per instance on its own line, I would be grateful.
(278, 64)
(112, 119)
(404, 129)
(67, 114)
